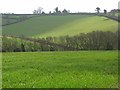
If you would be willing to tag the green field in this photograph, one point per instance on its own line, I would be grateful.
(92, 69)
(43, 26)
(73, 69)
(11, 18)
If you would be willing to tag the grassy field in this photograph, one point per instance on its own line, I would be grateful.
(44, 26)
(12, 18)
(92, 69)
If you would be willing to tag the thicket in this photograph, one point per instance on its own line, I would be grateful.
(96, 40)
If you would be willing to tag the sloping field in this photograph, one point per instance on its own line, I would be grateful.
(43, 26)
(8, 19)
(86, 69)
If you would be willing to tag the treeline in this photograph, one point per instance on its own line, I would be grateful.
(96, 40)
(23, 44)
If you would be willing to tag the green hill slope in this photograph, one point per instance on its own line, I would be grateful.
(43, 26)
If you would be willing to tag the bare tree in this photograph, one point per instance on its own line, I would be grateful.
(35, 12)
(39, 10)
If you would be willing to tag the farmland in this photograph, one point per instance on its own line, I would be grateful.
(82, 69)
(12, 19)
(44, 26)
(44, 62)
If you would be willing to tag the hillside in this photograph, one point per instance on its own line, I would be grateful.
(8, 19)
(44, 26)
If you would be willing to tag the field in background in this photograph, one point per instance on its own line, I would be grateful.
(43, 26)
(8, 19)
(92, 69)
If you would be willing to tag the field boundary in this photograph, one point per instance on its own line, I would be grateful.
(44, 42)
(110, 17)
(17, 21)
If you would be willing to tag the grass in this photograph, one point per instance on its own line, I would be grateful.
(5, 21)
(43, 26)
(12, 18)
(83, 69)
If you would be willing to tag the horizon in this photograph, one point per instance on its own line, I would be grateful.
(74, 6)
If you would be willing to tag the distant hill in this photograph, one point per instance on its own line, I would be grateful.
(43, 26)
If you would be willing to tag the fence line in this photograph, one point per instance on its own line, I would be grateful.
(111, 17)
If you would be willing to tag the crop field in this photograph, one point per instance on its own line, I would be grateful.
(11, 19)
(82, 69)
(43, 26)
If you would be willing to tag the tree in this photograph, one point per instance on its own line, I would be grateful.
(17, 50)
(22, 47)
(39, 10)
(35, 12)
(65, 11)
(43, 12)
(105, 11)
(56, 10)
(98, 10)
(49, 12)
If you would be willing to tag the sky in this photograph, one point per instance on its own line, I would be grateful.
(27, 6)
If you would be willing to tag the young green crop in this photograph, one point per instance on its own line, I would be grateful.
(83, 69)
(43, 26)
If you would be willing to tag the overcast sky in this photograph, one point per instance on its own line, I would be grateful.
(27, 6)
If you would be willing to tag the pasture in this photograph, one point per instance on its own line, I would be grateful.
(44, 26)
(82, 69)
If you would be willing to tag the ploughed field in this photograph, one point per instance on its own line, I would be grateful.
(82, 69)
(60, 25)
